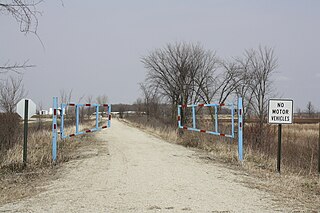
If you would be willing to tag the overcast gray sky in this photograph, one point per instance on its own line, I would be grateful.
(94, 47)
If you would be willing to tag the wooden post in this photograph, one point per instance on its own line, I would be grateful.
(319, 150)
(279, 147)
(25, 141)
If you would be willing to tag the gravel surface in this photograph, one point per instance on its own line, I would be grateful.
(132, 171)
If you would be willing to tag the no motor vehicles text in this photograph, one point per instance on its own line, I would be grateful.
(280, 118)
(280, 111)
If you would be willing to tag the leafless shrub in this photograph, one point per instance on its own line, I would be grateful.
(102, 99)
(65, 96)
(89, 110)
(11, 92)
(9, 131)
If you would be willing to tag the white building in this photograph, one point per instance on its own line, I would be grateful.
(43, 112)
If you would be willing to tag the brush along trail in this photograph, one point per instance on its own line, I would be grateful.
(129, 170)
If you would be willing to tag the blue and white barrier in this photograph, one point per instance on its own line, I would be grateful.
(216, 127)
(61, 112)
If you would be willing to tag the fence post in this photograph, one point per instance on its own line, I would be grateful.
(25, 138)
(319, 150)
(62, 121)
(179, 117)
(216, 118)
(109, 115)
(232, 120)
(279, 147)
(54, 129)
(97, 116)
(77, 119)
(240, 128)
(194, 117)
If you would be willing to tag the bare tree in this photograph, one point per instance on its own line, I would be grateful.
(244, 87)
(11, 92)
(81, 109)
(310, 109)
(102, 99)
(228, 81)
(151, 100)
(66, 97)
(262, 63)
(140, 107)
(122, 109)
(255, 84)
(179, 71)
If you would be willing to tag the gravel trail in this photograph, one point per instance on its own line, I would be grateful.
(131, 171)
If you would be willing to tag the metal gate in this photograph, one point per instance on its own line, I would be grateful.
(60, 112)
(216, 131)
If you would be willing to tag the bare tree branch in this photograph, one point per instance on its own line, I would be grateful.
(24, 12)
(16, 67)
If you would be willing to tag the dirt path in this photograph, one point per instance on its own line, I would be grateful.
(131, 171)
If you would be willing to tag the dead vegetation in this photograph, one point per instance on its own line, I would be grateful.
(17, 181)
(297, 186)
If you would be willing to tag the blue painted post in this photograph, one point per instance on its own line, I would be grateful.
(54, 129)
(179, 117)
(77, 119)
(232, 120)
(216, 117)
(194, 117)
(62, 121)
(240, 129)
(97, 116)
(109, 115)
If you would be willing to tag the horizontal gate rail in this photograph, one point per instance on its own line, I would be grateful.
(216, 127)
(216, 132)
(77, 106)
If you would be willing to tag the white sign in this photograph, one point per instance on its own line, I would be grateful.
(31, 108)
(280, 111)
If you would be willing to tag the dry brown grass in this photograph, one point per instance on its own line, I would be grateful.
(17, 181)
(299, 146)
